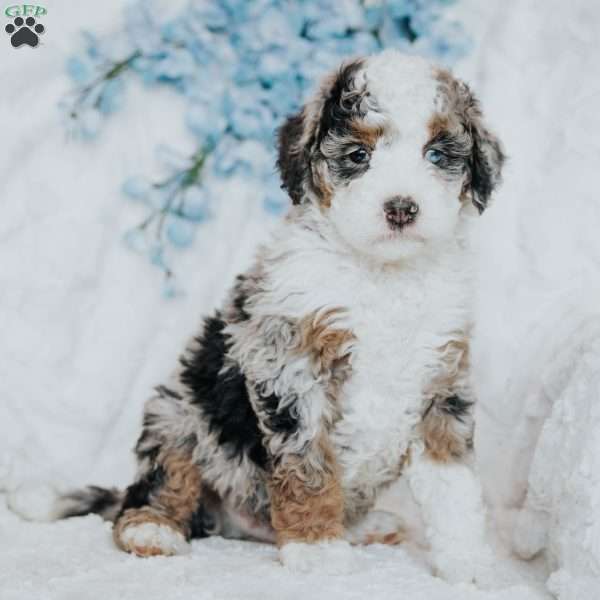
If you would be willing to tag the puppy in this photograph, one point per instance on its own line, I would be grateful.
(340, 360)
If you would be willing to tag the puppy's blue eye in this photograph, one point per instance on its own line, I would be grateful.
(434, 156)
(359, 156)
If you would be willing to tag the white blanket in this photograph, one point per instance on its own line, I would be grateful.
(85, 332)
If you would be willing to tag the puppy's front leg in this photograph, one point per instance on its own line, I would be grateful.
(307, 511)
(299, 368)
(450, 498)
(448, 491)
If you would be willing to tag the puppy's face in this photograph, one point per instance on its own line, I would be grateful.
(394, 152)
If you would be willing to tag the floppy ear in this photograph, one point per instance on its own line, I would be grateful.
(487, 156)
(302, 166)
(485, 165)
(299, 138)
(293, 160)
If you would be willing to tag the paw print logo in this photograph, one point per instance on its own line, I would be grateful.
(24, 32)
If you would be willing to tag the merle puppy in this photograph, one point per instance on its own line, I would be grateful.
(340, 360)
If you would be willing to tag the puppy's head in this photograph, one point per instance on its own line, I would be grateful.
(394, 151)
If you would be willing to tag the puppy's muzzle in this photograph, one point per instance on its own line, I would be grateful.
(400, 211)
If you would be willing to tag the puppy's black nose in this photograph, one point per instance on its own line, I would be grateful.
(400, 211)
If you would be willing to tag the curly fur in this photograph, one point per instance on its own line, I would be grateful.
(343, 350)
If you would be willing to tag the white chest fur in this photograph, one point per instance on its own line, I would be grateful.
(401, 317)
(401, 321)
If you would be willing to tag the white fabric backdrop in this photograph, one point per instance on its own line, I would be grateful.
(85, 333)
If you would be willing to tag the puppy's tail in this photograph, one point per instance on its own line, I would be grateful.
(43, 503)
(90, 500)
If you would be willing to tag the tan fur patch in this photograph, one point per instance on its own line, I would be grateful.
(321, 184)
(446, 437)
(443, 443)
(455, 365)
(390, 539)
(178, 497)
(326, 343)
(307, 503)
(457, 99)
(173, 504)
(438, 124)
(365, 133)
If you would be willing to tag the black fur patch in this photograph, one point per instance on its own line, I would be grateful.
(92, 499)
(138, 494)
(223, 397)
(483, 178)
(148, 446)
(292, 161)
(456, 407)
(240, 297)
(202, 523)
(164, 391)
(338, 140)
(278, 421)
(341, 105)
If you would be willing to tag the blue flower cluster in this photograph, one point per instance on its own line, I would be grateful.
(242, 65)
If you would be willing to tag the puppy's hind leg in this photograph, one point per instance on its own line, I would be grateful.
(156, 516)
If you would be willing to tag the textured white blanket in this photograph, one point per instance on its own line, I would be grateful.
(85, 333)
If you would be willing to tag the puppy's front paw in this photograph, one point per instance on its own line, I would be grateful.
(530, 533)
(484, 569)
(454, 569)
(333, 557)
(151, 539)
(377, 527)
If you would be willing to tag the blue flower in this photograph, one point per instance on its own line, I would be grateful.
(89, 124)
(247, 114)
(206, 125)
(92, 44)
(285, 96)
(327, 28)
(272, 27)
(172, 158)
(175, 64)
(111, 96)
(135, 239)
(272, 65)
(398, 9)
(141, 26)
(373, 15)
(80, 71)
(137, 188)
(157, 257)
(195, 205)
(228, 159)
(180, 232)
(213, 16)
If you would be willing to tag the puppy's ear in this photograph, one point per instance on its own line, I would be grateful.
(301, 164)
(293, 160)
(485, 165)
(487, 156)
(299, 139)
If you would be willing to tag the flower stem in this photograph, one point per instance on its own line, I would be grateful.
(122, 65)
(115, 70)
(187, 178)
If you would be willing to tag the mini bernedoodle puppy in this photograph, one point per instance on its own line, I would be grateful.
(340, 360)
